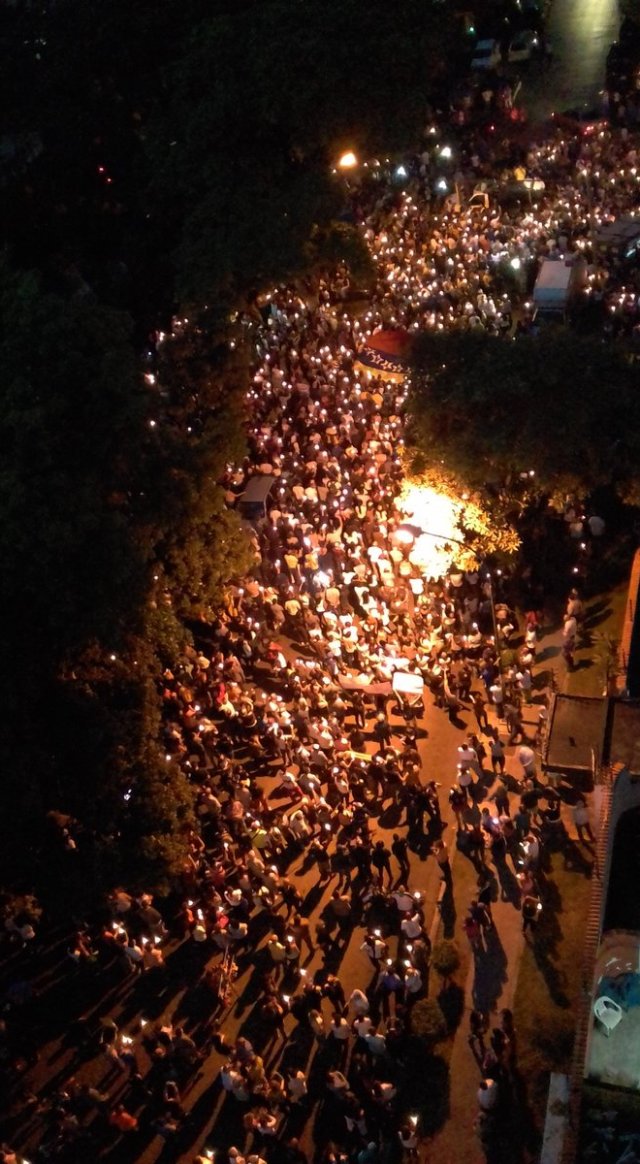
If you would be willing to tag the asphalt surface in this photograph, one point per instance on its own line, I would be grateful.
(579, 33)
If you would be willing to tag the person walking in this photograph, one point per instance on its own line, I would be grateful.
(400, 850)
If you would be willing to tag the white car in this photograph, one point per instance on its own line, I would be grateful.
(486, 55)
(524, 45)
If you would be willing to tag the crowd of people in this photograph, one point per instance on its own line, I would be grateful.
(286, 720)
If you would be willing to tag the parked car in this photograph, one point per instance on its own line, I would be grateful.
(524, 45)
(486, 55)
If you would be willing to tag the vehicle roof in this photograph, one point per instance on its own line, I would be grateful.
(620, 231)
(258, 488)
(554, 274)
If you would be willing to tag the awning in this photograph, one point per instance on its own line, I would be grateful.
(386, 354)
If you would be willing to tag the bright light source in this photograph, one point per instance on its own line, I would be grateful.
(442, 184)
(437, 515)
(515, 263)
(348, 160)
(401, 172)
(446, 152)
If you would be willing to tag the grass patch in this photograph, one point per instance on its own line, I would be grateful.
(549, 982)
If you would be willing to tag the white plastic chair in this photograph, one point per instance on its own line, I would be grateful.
(607, 1012)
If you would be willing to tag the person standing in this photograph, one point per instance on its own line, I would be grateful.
(580, 814)
(496, 749)
(400, 850)
(381, 861)
(382, 731)
(515, 726)
(500, 797)
(479, 705)
(485, 895)
(531, 909)
(459, 803)
(496, 691)
(527, 758)
(477, 1032)
(487, 1095)
(441, 854)
(374, 947)
(468, 758)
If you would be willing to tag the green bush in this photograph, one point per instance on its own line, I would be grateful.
(428, 1021)
(445, 958)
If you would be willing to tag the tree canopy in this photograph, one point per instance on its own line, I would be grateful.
(561, 406)
(112, 524)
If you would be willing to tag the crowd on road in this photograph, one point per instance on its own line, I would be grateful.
(285, 718)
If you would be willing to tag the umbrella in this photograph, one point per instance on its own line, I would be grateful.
(386, 354)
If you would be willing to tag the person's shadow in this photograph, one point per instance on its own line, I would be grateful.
(509, 888)
(448, 912)
(490, 972)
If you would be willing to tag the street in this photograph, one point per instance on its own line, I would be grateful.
(579, 33)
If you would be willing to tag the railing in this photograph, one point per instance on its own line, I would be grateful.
(606, 777)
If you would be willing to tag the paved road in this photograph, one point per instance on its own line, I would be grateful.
(580, 33)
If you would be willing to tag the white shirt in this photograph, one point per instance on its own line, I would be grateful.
(413, 980)
(411, 927)
(359, 1001)
(526, 756)
(297, 1086)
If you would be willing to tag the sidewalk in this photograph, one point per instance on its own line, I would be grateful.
(492, 973)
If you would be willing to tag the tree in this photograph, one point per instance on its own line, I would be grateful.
(548, 409)
(445, 959)
(86, 585)
(428, 1022)
(71, 427)
(196, 544)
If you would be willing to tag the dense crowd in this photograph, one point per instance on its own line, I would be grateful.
(289, 721)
